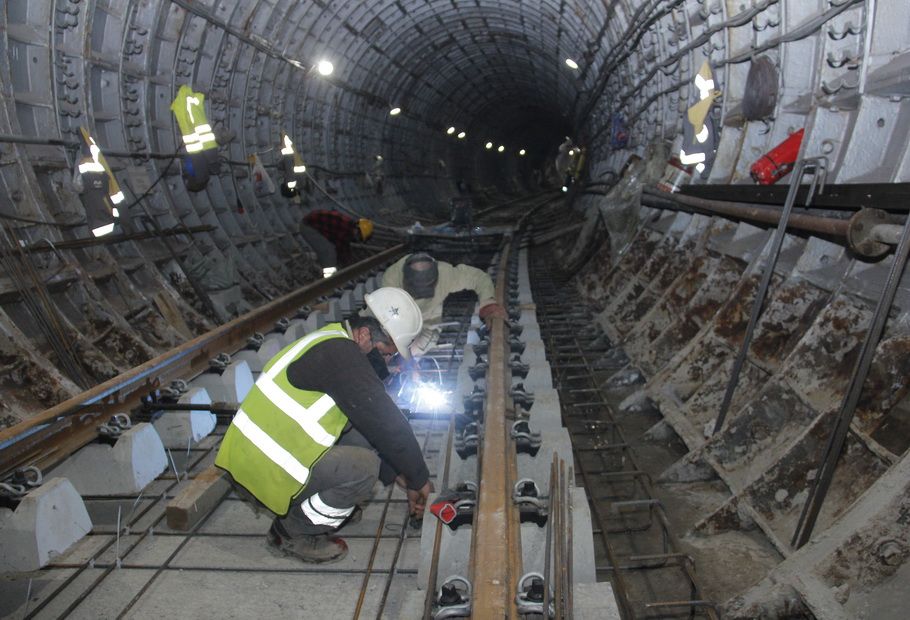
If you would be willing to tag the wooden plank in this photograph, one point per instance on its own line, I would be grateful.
(197, 499)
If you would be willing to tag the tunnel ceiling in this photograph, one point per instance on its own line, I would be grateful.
(493, 69)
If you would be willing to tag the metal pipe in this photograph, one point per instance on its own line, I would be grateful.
(749, 211)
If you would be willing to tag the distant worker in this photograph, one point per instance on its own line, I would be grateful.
(430, 281)
(330, 234)
(316, 431)
(564, 158)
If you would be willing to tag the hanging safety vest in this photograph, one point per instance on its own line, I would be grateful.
(280, 432)
(288, 150)
(94, 178)
(189, 110)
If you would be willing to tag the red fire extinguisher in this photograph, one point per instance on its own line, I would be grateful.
(778, 162)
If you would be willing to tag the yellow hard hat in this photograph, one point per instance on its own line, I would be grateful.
(366, 228)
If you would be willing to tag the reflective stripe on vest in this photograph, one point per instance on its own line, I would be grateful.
(189, 110)
(280, 431)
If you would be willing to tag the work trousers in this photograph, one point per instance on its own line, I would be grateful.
(341, 479)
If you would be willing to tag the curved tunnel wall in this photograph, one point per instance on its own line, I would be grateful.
(493, 69)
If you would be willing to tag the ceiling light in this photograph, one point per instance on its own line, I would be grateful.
(501, 148)
(461, 135)
(489, 145)
(324, 67)
(564, 188)
(522, 152)
(394, 111)
(450, 130)
(571, 63)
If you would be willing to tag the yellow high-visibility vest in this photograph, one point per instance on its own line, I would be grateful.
(280, 432)
(189, 110)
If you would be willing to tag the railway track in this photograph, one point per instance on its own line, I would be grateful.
(134, 553)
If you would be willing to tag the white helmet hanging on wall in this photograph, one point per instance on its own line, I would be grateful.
(398, 314)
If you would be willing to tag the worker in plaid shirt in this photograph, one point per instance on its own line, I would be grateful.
(330, 234)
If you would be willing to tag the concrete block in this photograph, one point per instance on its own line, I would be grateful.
(359, 292)
(125, 468)
(462, 470)
(177, 429)
(539, 378)
(528, 316)
(534, 352)
(537, 468)
(333, 313)
(231, 386)
(48, 521)
(252, 358)
(297, 329)
(530, 332)
(314, 321)
(275, 342)
(270, 347)
(346, 303)
(454, 552)
(594, 601)
(583, 565)
(545, 412)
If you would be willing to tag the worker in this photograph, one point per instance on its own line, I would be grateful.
(316, 431)
(429, 282)
(330, 234)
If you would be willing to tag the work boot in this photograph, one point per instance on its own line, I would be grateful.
(319, 549)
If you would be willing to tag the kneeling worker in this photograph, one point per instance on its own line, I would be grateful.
(306, 438)
(430, 281)
(330, 234)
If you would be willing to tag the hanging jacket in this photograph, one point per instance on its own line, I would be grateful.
(280, 431)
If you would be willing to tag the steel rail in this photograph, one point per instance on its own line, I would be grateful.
(495, 540)
(51, 436)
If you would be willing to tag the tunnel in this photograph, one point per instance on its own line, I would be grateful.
(694, 216)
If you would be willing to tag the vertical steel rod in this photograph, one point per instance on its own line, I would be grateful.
(818, 165)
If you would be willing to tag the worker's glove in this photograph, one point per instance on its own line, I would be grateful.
(491, 311)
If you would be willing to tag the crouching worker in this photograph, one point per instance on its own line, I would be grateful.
(318, 429)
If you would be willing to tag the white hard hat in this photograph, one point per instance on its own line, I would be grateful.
(398, 314)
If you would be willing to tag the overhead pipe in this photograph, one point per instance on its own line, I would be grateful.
(867, 232)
